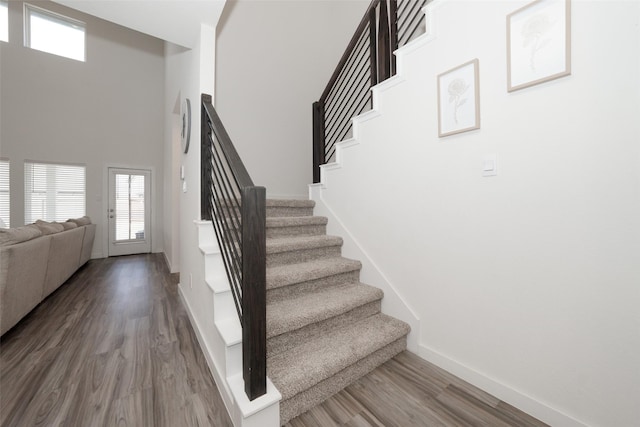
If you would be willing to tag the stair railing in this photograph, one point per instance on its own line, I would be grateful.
(367, 61)
(237, 209)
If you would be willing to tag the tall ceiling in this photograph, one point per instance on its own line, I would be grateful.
(176, 21)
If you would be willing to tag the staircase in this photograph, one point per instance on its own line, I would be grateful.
(324, 327)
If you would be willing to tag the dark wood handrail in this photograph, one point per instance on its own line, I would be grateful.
(352, 43)
(241, 239)
(238, 169)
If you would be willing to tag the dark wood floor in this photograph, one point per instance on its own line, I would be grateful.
(408, 391)
(111, 347)
(114, 347)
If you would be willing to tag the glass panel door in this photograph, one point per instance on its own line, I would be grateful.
(129, 211)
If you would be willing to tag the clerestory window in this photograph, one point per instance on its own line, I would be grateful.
(53, 33)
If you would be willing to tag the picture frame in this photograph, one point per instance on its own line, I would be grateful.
(538, 43)
(459, 99)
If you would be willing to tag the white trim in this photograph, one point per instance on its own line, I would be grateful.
(105, 204)
(393, 303)
(225, 391)
(528, 404)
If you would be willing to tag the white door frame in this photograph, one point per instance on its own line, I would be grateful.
(105, 203)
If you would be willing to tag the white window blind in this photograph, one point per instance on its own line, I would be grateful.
(53, 192)
(4, 22)
(5, 195)
(54, 33)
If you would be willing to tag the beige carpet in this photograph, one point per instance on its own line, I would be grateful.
(324, 328)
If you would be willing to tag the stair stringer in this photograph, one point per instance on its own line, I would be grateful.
(220, 337)
(393, 303)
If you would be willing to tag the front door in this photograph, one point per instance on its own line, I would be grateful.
(129, 211)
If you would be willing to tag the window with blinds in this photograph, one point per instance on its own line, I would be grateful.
(54, 192)
(5, 194)
(4, 21)
(54, 33)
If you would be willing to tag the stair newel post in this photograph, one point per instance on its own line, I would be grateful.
(384, 61)
(254, 305)
(205, 161)
(373, 51)
(393, 33)
(318, 139)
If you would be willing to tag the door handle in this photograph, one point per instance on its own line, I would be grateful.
(110, 216)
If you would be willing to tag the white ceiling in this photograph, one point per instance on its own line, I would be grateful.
(177, 21)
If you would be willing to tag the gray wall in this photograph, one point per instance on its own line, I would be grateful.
(273, 59)
(105, 111)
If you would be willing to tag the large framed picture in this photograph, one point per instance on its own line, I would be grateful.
(459, 99)
(538, 43)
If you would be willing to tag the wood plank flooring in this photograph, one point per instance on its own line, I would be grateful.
(114, 347)
(408, 391)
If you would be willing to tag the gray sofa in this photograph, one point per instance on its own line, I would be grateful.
(35, 260)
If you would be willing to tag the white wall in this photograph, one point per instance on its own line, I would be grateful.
(189, 73)
(528, 283)
(107, 110)
(274, 59)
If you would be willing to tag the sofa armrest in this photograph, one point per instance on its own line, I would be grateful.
(23, 267)
(87, 243)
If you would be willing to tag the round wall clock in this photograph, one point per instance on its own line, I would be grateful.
(186, 124)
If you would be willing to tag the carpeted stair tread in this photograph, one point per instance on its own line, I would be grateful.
(297, 243)
(290, 203)
(312, 362)
(289, 208)
(289, 314)
(293, 221)
(284, 275)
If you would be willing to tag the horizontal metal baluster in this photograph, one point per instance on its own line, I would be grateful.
(416, 27)
(228, 236)
(343, 84)
(359, 107)
(360, 82)
(331, 132)
(354, 58)
(227, 188)
(408, 23)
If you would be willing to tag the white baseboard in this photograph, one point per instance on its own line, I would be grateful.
(225, 391)
(525, 403)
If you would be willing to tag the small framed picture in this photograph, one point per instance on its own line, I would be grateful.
(538, 43)
(459, 99)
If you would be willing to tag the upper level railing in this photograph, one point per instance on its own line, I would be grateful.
(237, 210)
(367, 61)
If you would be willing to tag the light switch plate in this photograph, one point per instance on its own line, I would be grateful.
(490, 165)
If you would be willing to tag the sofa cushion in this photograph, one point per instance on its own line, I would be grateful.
(85, 220)
(49, 227)
(68, 225)
(11, 236)
(64, 256)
